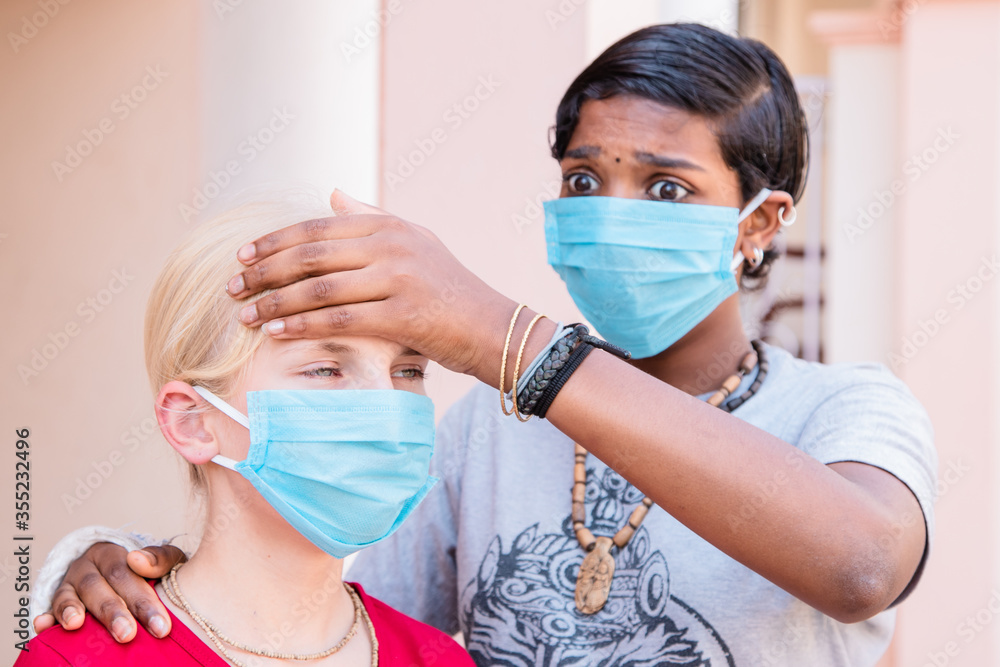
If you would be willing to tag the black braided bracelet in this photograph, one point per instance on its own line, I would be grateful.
(564, 358)
(616, 350)
(560, 378)
(528, 397)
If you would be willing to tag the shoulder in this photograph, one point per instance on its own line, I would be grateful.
(813, 384)
(39, 651)
(850, 412)
(92, 645)
(787, 367)
(847, 412)
(89, 645)
(405, 641)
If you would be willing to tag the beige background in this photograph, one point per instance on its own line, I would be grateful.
(362, 102)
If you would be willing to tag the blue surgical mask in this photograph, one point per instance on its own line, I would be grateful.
(344, 467)
(642, 272)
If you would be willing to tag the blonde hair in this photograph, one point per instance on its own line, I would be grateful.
(191, 331)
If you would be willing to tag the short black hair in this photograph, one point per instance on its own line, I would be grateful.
(739, 85)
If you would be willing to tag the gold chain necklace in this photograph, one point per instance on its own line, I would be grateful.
(593, 583)
(173, 591)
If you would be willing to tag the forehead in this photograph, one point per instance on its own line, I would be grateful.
(625, 125)
(347, 346)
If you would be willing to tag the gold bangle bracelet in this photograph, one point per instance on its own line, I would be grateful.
(503, 360)
(517, 364)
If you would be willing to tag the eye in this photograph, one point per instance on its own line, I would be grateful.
(410, 374)
(323, 372)
(668, 191)
(580, 183)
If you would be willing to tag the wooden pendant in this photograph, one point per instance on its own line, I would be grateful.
(593, 584)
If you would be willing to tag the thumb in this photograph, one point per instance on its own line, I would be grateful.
(154, 562)
(345, 205)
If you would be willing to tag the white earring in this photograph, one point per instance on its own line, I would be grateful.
(790, 220)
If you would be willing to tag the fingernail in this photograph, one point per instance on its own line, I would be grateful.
(150, 557)
(69, 614)
(275, 327)
(158, 627)
(249, 314)
(247, 252)
(236, 285)
(121, 628)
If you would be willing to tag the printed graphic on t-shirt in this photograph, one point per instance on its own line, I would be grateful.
(520, 610)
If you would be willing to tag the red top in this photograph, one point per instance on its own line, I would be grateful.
(401, 641)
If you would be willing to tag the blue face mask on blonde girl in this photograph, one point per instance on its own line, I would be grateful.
(335, 434)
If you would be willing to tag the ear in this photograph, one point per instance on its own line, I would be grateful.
(760, 227)
(183, 425)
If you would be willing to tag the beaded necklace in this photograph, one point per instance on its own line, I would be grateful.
(173, 591)
(593, 583)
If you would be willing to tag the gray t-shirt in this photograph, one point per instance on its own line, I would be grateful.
(491, 551)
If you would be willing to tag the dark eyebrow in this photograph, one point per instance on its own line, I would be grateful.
(666, 162)
(583, 152)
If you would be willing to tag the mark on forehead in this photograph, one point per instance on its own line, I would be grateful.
(618, 159)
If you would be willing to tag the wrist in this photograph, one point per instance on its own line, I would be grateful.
(539, 336)
(491, 352)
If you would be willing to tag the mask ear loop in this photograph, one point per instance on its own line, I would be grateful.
(230, 412)
(754, 204)
(751, 206)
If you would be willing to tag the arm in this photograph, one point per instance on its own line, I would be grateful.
(814, 534)
(694, 461)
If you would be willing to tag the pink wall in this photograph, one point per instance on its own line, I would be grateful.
(64, 242)
(944, 69)
(950, 75)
